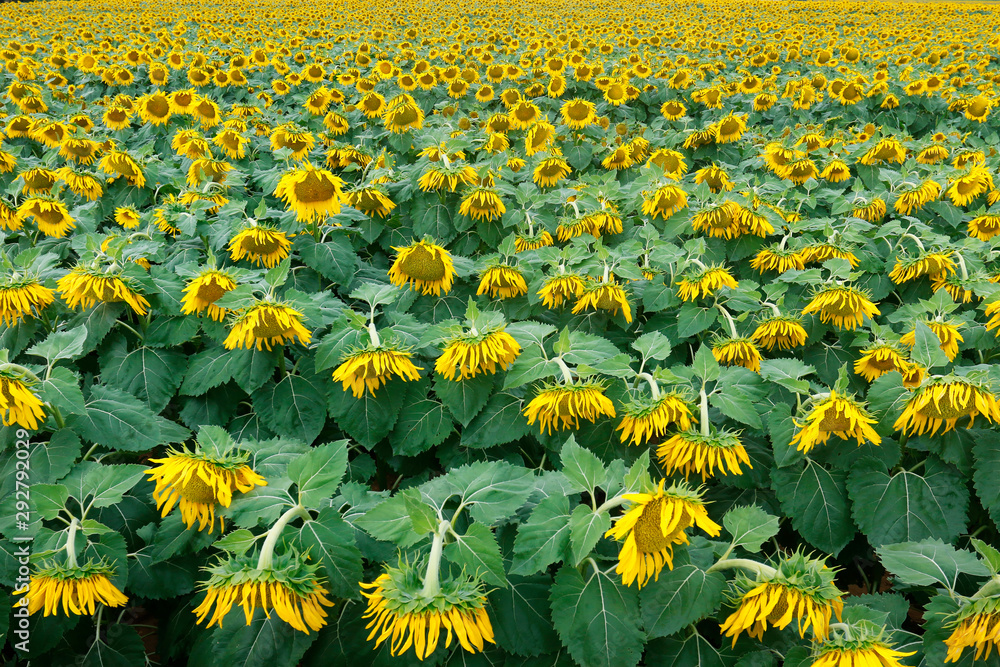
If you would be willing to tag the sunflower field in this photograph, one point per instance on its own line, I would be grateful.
(525, 334)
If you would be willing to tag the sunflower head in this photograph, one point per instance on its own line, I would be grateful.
(974, 626)
(370, 367)
(561, 288)
(800, 588)
(473, 353)
(22, 296)
(689, 452)
(425, 266)
(653, 524)
(399, 608)
(524, 242)
(267, 323)
(778, 259)
(560, 406)
(927, 263)
(704, 282)
(942, 401)
(290, 587)
(73, 589)
(842, 305)
(607, 296)
(261, 245)
(312, 193)
(85, 286)
(18, 402)
(737, 351)
(838, 415)
(779, 331)
(879, 359)
(503, 282)
(865, 644)
(649, 417)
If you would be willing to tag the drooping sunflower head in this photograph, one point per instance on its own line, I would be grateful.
(722, 221)
(202, 292)
(22, 296)
(608, 296)
(927, 263)
(482, 203)
(374, 365)
(561, 288)
(781, 331)
(290, 587)
(73, 589)
(671, 162)
(261, 245)
(447, 177)
(399, 608)
(842, 305)
(974, 626)
(85, 286)
(370, 200)
(800, 589)
(704, 282)
(474, 353)
(873, 211)
(560, 406)
(425, 266)
(820, 252)
(312, 193)
(716, 178)
(776, 258)
(838, 415)
(664, 202)
(550, 171)
(653, 524)
(942, 401)
(648, 418)
(18, 402)
(51, 216)
(690, 452)
(864, 643)
(524, 242)
(737, 351)
(267, 323)
(879, 359)
(502, 281)
(200, 479)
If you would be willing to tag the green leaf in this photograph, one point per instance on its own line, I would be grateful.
(118, 420)
(265, 642)
(370, 418)
(652, 345)
(692, 319)
(276, 277)
(150, 374)
(492, 490)
(597, 618)
(209, 368)
(530, 366)
(478, 552)
(544, 538)
(816, 500)
(331, 541)
(422, 425)
(294, 406)
(61, 345)
(680, 597)
(705, 365)
(582, 467)
(163, 580)
(173, 537)
(750, 527)
(464, 398)
(236, 542)
(991, 556)
(692, 649)
(907, 507)
(529, 333)
(589, 349)
(781, 429)
(522, 616)
(927, 348)
(422, 515)
(46, 463)
(49, 499)
(319, 472)
(788, 373)
(987, 470)
(930, 562)
(334, 259)
(390, 521)
(499, 422)
(736, 406)
(121, 646)
(62, 389)
(104, 484)
(586, 527)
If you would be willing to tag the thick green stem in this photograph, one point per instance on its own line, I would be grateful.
(729, 320)
(961, 265)
(71, 543)
(990, 588)
(566, 373)
(610, 504)
(706, 425)
(373, 332)
(432, 579)
(744, 564)
(57, 415)
(266, 559)
(920, 244)
(654, 389)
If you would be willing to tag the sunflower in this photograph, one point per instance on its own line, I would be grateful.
(689, 452)
(482, 203)
(781, 331)
(578, 113)
(51, 216)
(201, 293)
(946, 332)
(664, 202)
(293, 138)
(116, 118)
(737, 351)
(38, 181)
(312, 193)
(19, 294)
(447, 177)
(716, 178)
(539, 239)
(984, 227)
(264, 324)
(844, 306)
(964, 189)
(190, 144)
(722, 221)
(671, 162)
(402, 115)
(74, 588)
(154, 108)
(550, 171)
(865, 651)
(564, 287)
(705, 283)
(799, 171)
(119, 163)
(374, 365)
(873, 211)
(820, 252)
(84, 287)
(942, 402)
(646, 419)
(836, 171)
(232, 143)
(18, 403)
(932, 263)
(974, 625)
(401, 609)
(730, 128)
(916, 198)
(800, 589)
(880, 359)
(776, 258)
(290, 587)
(474, 353)
(196, 481)
(426, 266)
(607, 296)
(652, 525)
(932, 155)
(837, 415)
(560, 406)
(260, 245)
(885, 151)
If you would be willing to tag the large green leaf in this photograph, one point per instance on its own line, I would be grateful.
(118, 420)
(330, 540)
(522, 617)
(816, 500)
(294, 407)
(544, 538)
(477, 552)
(679, 597)
(150, 374)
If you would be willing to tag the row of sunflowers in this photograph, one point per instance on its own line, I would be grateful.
(526, 335)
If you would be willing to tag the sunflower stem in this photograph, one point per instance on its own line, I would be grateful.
(774, 308)
(744, 564)
(432, 579)
(373, 333)
(266, 559)
(566, 373)
(57, 415)
(961, 265)
(697, 262)
(729, 320)
(610, 504)
(706, 426)
(71, 543)
(651, 381)
(607, 273)
(843, 627)
(907, 235)
(531, 225)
